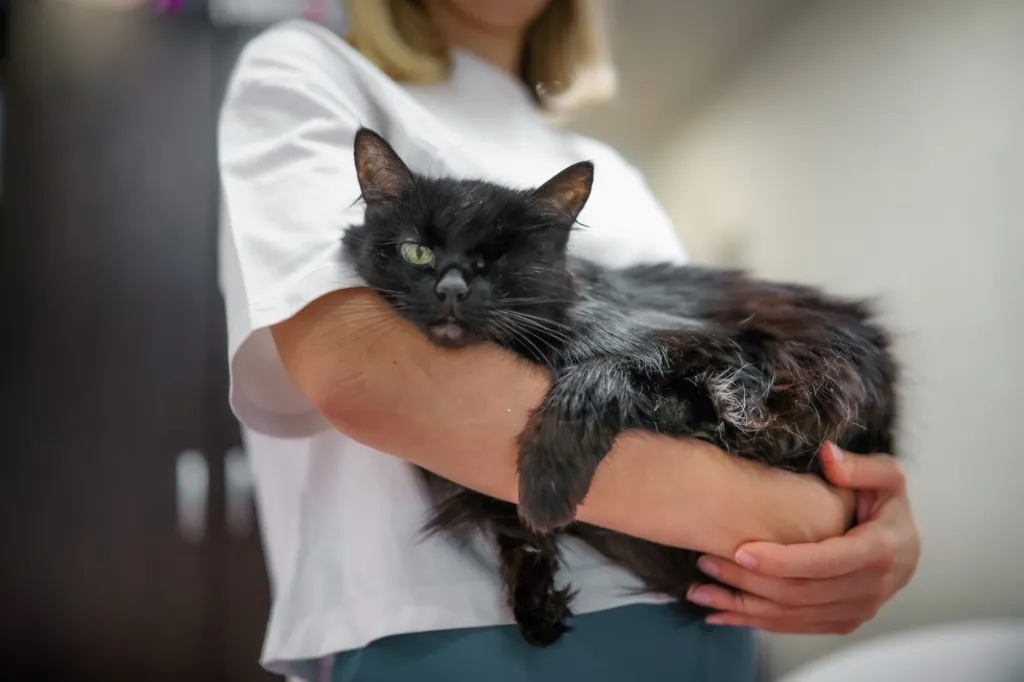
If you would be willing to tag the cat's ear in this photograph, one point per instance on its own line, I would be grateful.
(567, 192)
(383, 177)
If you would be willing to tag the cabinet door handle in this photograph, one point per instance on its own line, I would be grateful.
(192, 487)
(238, 494)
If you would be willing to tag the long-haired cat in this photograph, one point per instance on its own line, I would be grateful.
(763, 371)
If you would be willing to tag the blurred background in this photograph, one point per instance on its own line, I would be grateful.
(873, 147)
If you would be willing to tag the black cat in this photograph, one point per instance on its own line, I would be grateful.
(764, 371)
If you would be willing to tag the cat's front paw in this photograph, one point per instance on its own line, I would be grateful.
(552, 484)
(545, 506)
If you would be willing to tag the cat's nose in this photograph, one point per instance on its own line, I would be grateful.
(452, 286)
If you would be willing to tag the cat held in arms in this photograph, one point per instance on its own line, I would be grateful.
(764, 371)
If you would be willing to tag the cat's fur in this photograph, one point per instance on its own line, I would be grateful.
(764, 371)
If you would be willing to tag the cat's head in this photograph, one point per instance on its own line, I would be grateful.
(465, 260)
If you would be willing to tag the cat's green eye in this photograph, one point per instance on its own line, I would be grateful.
(417, 254)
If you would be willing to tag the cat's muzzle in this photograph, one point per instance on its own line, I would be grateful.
(448, 332)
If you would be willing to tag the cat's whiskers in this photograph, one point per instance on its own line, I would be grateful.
(536, 336)
(527, 320)
(350, 320)
(531, 332)
(368, 313)
(382, 323)
(515, 333)
(360, 313)
(541, 333)
(542, 322)
(531, 303)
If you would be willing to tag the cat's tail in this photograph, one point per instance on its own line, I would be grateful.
(462, 509)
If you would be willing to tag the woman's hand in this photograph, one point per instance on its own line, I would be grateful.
(832, 586)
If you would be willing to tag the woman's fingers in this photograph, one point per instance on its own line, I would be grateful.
(861, 472)
(746, 604)
(789, 591)
(827, 559)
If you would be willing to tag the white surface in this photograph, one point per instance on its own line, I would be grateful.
(342, 521)
(878, 148)
(962, 652)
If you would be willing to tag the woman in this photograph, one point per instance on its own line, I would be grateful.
(325, 380)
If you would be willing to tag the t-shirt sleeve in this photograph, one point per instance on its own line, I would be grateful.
(645, 231)
(664, 242)
(289, 191)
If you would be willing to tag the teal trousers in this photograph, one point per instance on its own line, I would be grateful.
(637, 643)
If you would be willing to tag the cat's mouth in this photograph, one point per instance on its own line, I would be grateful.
(449, 332)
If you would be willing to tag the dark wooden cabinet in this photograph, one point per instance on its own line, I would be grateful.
(114, 357)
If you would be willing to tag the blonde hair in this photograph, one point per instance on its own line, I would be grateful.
(565, 57)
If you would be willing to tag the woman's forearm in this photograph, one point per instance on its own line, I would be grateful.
(458, 413)
(691, 494)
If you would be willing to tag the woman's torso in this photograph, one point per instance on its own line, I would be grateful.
(341, 521)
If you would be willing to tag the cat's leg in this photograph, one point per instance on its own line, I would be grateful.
(529, 563)
(567, 437)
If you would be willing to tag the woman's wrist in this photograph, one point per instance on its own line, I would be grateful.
(805, 508)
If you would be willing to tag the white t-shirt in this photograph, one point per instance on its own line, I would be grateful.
(341, 521)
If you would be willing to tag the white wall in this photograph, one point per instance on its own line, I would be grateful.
(878, 148)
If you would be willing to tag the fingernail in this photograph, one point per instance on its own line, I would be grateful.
(746, 559)
(708, 566)
(715, 619)
(837, 454)
(700, 595)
